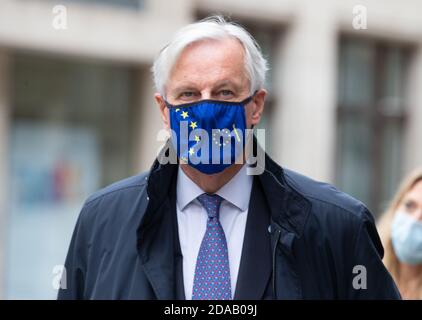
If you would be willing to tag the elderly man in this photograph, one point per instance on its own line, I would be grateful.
(200, 224)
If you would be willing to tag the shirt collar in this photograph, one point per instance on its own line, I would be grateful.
(187, 190)
(237, 191)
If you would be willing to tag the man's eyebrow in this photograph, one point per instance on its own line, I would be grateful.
(227, 83)
(220, 84)
(184, 88)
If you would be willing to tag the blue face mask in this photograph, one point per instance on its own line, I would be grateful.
(209, 135)
(406, 235)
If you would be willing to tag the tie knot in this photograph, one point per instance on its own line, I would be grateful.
(211, 203)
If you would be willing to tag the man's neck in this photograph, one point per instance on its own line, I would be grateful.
(211, 183)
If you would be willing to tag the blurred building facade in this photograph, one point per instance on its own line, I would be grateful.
(77, 109)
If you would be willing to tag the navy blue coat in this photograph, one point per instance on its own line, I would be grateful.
(303, 240)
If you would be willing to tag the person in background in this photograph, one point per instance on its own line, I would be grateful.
(400, 228)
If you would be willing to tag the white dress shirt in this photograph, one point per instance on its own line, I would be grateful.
(192, 222)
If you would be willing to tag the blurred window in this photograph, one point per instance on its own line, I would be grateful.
(371, 117)
(268, 37)
(70, 135)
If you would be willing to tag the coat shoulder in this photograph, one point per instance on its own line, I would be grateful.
(339, 218)
(339, 235)
(134, 182)
(114, 199)
(326, 198)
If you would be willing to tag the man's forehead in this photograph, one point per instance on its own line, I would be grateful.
(214, 63)
(226, 52)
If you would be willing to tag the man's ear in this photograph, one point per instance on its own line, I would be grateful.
(258, 106)
(163, 110)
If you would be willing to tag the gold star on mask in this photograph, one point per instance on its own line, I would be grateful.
(185, 114)
(193, 124)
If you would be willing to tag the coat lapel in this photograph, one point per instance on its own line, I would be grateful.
(157, 255)
(286, 283)
(156, 234)
(180, 287)
(255, 266)
(289, 212)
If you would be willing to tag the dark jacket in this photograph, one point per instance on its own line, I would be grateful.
(303, 240)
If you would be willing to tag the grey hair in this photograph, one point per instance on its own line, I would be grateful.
(214, 27)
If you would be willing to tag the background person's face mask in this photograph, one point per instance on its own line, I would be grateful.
(406, 234)
(209, 135)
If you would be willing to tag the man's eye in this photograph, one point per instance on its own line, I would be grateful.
(187, 94)
(226, 93)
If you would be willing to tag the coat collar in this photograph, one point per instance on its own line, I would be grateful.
(188, 191)
(289, 208)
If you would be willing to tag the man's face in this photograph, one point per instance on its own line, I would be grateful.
(211, 69)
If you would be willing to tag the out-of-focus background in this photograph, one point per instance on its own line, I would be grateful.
(77, 109)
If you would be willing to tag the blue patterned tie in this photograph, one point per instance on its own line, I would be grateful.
(212, 273)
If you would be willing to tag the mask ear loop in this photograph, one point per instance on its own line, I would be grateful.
(247, 100)
(168, 104)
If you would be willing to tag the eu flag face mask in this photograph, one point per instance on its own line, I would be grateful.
(406, 236)
(209, 135)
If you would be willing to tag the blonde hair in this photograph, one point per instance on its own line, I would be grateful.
(384, 225)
